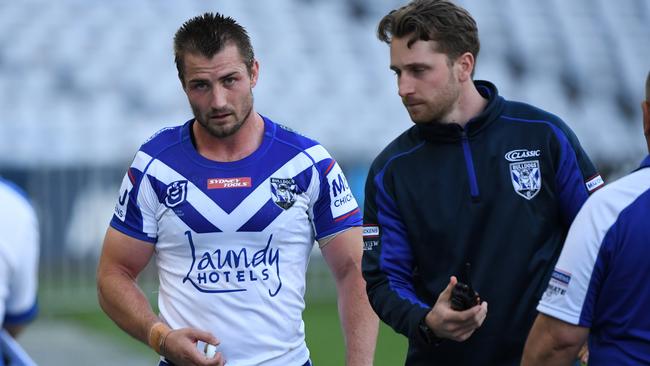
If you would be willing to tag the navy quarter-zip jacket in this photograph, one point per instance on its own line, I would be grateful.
(500, 194)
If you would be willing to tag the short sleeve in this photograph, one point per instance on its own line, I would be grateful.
(135, 210)
(334, 207)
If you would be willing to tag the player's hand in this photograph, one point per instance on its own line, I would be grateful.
(180, 348)
(451, 324)
(583, 355)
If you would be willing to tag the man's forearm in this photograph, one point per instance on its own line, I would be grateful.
(553, 342)
(122, 300)
(358, 320)
(554, 357)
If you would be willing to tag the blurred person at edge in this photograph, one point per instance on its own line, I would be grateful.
(477, 179)
(19, 250)
(599, 289)
(231, 204)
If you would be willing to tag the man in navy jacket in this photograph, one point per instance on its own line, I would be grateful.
(478, 179)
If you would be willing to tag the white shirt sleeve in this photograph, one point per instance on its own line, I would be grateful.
(19, 248)
(581, 268)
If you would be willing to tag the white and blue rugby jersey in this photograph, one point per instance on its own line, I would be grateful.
(233, 239)
(19, 249)
(601, 278)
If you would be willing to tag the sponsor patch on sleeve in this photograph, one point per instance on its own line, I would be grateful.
(558, 284)
(370, 231)
(561, 276)
(341, 199)
(594, 183)
(123, 199)
(370, 236)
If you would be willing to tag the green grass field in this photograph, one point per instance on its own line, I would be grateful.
(323, 331)
(325, 339)
(324, 336)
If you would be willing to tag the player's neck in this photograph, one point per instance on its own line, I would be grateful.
(232, 148)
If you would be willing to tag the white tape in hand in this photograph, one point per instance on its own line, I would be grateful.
(210, 350)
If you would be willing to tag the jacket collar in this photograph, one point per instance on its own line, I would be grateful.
(451, 132)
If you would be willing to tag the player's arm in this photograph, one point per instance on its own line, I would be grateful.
(121, 261)
(388, 266)
(359, 322)
(576, 176)
(553, 342)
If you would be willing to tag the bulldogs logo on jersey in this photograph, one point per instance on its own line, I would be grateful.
(176, 193)
(526, 178)
(284, 192)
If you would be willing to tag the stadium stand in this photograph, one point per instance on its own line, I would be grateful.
(90, 80)
(84, 82)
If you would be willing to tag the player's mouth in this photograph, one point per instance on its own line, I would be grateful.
(220, 115)
(410, 103)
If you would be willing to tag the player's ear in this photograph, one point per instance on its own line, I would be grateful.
(255, 72)
(464, 65)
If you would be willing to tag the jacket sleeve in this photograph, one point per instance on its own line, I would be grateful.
(388, 260)
(576, 176)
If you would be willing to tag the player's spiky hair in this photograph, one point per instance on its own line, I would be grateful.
(208, 34)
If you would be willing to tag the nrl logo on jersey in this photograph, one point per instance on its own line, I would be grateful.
(176, 193)
(526, 178)
(284, 192)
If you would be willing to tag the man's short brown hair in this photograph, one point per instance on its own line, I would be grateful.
(450, 26)
(208, 34)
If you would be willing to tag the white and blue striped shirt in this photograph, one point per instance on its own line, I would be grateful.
(233, 239)
(601, 280)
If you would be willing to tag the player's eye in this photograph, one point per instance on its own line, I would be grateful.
(418, 71)
(199, 86)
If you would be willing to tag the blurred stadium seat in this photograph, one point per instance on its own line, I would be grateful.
(84, 82)
(91, 80)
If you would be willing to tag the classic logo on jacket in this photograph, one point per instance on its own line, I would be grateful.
(521, 154)
(176, 193)
(284, 192)
(525, 175)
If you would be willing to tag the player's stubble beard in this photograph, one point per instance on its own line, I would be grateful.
(439, 107)
(222, 131)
